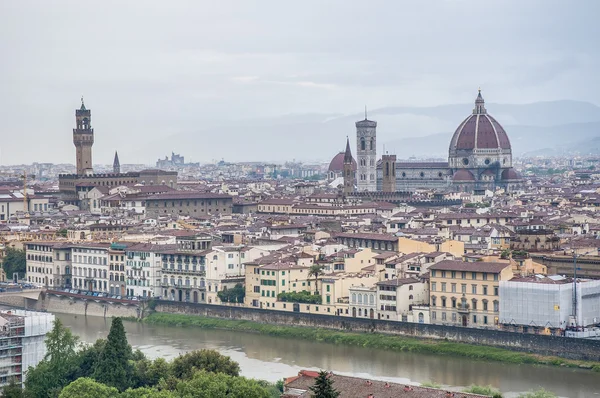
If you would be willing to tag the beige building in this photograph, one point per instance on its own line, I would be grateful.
(396, 297)
(466, 293)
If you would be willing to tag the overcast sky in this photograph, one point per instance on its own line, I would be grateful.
(151, 68)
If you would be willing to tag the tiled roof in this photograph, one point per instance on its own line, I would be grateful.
(354, 387)
(477, 266)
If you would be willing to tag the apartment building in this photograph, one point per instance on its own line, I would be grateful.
(466, 293)
(275, 278)
(183, 275)
(396, 297)
(40, 264)
(90, 263)
(143, 265)
(117, 271)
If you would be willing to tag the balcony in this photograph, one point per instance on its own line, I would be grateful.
(463, 308)
(183, 271)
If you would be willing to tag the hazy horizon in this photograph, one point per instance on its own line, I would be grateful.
(152, 70)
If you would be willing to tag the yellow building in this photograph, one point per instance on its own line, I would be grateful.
(454, 247)
(466, 293)
(264, 283)
(356, 260)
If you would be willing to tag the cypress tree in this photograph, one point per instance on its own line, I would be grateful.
(323, 387)
(113, 367)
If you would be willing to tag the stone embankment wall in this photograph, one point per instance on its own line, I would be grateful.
(67, 305)
(70, 305)
(578, 349)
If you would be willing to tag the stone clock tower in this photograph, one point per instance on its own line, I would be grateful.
(83, 138)
(366, 155)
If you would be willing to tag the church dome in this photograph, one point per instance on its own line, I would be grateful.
(337, 163)
(479, 131)
(463, 175)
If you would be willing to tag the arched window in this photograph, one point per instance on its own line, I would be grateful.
(360, 299)
(372, 299)
(410, 297)
(372, 143)
(387, 171)
(410, 287)
(362, 144)
(353, 298)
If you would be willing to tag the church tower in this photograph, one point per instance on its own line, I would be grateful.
(349, 172)
(116, 164)
(388, 169)
(83, 138)
(366, 153)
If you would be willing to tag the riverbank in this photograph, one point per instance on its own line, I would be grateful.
(371, 340)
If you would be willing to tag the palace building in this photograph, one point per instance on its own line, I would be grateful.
(73, 187)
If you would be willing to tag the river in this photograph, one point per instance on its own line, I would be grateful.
(274, 358)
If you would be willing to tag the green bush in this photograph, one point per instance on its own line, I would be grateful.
(304, 297)
(483, 390)
(541, 393)
(431, 384)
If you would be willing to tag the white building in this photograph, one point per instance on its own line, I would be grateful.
(143, 267)
(22, 342)
(363, 303)
(90, 267)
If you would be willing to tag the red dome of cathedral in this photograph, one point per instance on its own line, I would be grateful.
(337, 163)
(479, 131)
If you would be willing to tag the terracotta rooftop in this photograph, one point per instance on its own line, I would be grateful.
(354, 387)
(477, 266)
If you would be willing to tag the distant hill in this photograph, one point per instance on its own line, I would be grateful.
(568, 138)
(406, 131)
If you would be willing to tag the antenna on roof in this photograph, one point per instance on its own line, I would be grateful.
(365, 112)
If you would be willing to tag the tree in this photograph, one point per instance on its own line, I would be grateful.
(147, 373)
(15, 260)
(86, 387)
(61, 344)
(300, 297)
(53, 372)
(208, 385)
(12, 390)
(234, 295)
(145, 392)
(323, 387)
(113, 367)
(316, 270)
(86, 360)
(184, 366)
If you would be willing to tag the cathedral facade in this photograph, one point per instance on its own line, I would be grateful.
(479, 158)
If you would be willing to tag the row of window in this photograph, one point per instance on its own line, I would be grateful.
(463, 304)
(463, 288)
(90, 260)
(463, 275)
